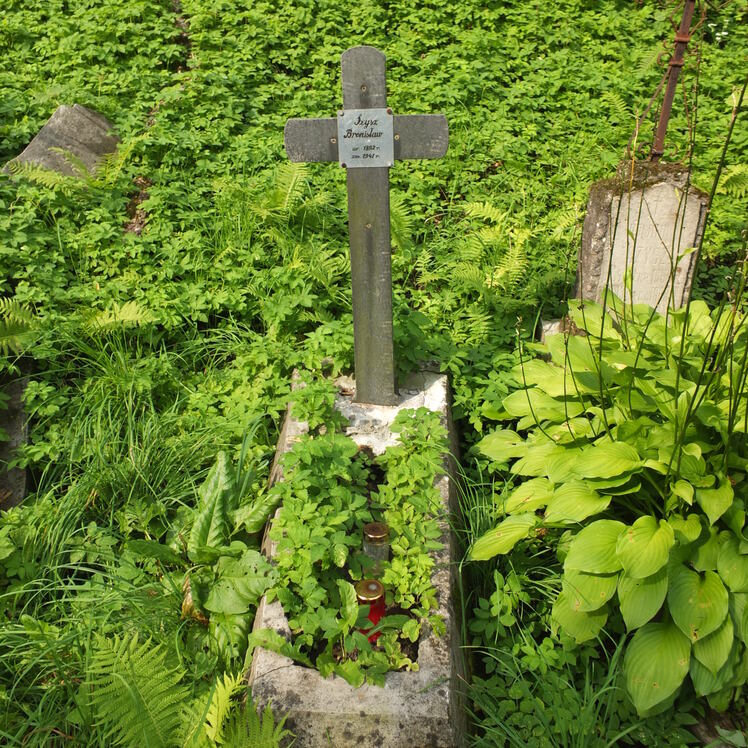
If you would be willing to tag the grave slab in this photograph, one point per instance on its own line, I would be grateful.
(81, 131)
(423, 709)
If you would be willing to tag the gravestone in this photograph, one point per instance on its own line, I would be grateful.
(366, 139)
(647, 222)
(84, 133)
(88, 136)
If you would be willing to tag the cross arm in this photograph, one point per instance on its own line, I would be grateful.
(416, 136)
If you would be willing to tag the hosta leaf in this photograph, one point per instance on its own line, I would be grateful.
(537, 406)
(534, 462)
(712, 651)
(706, 682)
(588, 592)
(641, 598)
(715, 501)
(529, 496)
(577, 624)
(644, 547)
(574, 502)
(593, 549)
(655, 664)
(607, 460)
(731, 564)
(502, 445)
(504, 537)
(739, 614)
(686, 530)
(697, 604)
(704, 556)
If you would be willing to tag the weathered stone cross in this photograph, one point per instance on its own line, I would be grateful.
(366, 139)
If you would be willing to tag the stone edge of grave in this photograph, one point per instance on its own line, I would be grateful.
(422, 708)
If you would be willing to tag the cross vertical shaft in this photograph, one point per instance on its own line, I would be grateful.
(364, 87)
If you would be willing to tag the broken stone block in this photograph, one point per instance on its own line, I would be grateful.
(84, 133)
(647, 223)
(425, 708)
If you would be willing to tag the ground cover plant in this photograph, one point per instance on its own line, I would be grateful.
(159, 305)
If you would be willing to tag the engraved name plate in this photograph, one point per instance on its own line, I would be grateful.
(365, 138)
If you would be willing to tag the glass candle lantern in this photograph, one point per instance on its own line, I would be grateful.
(377, 544)
(371, 592)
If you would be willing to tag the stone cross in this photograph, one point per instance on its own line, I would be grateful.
(365, 139)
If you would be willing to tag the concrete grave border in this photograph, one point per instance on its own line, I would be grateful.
(422, 709)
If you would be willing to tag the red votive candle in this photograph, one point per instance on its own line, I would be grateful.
(371, 592)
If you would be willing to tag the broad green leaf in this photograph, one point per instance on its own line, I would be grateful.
(241, 583)
(641, 598)
(607, 460)
(734, 518)
(731, 564)
(683, 490)
(593, 549)
(348, 602)
(154, 549)
(577, 624)
(739, 614)
(715, 501)
(538, 407)
(593, 318)
(504, 537)
(643, 548)
(655, 664)
(351, 672)
(535, 461)
(697, 604)
(588, 592)
(704, 556)
(712, 651)
(686, 530)
(574, 502)
(502, 445)
(256, 512)
(217, 497)
(529, 496)
(706, 682)
(559, 466)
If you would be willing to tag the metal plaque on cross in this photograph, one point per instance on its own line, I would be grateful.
(366, 139)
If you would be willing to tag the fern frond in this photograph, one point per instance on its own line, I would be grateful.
(135, 697)
(126, 315)
(290, 180)
(509, 270)
(565, 220)
(617, 105)
(207, 716)
(44, 177)
(735, 181)
(467, 274)
(484, 210)
(490, 235)
(471, 249)
(246, 727)
(16, 322)
(401, 223)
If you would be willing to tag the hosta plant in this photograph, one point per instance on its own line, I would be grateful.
(628, 450)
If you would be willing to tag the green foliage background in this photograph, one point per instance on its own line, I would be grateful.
(158, 349)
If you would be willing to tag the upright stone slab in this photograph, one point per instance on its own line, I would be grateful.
(422, 709)
(646, 222)
(76, 129)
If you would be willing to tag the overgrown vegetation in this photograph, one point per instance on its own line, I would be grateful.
(161, 304)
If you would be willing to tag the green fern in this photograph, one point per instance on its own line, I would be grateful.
(618, 108)
(136, 697)
(129, 314)
(401, 223)
(290, 181)
(735, 181)
(47, 178)
(247, 727)
(484, 210)
(16, 322)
